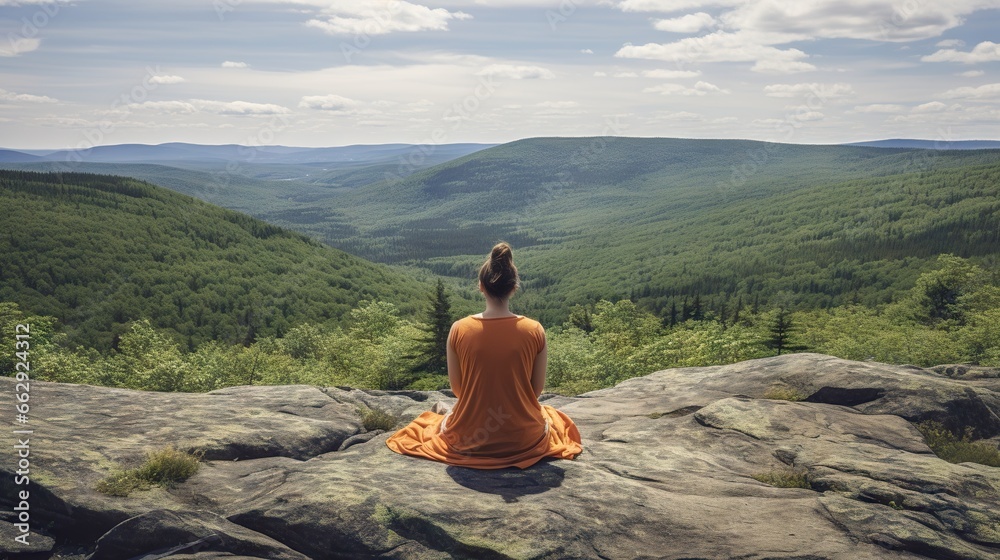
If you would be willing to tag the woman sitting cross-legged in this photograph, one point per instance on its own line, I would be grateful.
(496, 366)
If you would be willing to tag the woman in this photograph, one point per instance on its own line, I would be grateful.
(496, 366)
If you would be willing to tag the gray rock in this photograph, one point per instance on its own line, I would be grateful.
(195, 533)
(668, 469)
(14, 549)
(359, 438)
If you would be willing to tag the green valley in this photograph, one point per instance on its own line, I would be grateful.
(97, 252)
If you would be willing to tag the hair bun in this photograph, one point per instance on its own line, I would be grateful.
(501, 253)
(498, 274)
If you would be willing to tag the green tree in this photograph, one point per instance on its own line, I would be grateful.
(779, 333)
(373, 321)
(439, 319)
(579, 317)
(146, 359)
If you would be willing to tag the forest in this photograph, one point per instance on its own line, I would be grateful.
(97, 252)
(950, 315)
(129, 284)
(659, 221)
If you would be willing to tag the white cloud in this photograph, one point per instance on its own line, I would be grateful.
(170, 107)
(988, 91)
(722, 46)
(948, 43)
(242, 108)
(14, 3)
(932, 107)
(971, 73)
(586, 51)
(334, 103)
(14, 45)
(26, 97)
(232, 64)
(668, 6)
(166, 80)
(671, 74)
(211, 106)
(952, 115)
(822, 91)
(379, 17)
(515, 72)
(878, 20)
(699, 89)
(880, 108)
(691, 23)
(987, 51)
(599, 74)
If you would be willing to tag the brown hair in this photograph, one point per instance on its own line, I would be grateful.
(498, 274)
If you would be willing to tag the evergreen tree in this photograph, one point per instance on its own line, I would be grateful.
(439, 319)
(697, 312)
(780, 333)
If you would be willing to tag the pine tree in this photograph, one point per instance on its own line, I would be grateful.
(697, 313)
(780, 333)
(436, 343)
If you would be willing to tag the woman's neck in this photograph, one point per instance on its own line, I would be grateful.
(497, 308)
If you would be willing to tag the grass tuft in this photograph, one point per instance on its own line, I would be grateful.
(784, 478)
(162, 467)
(783, 393)
(377, 419)
(954, 449)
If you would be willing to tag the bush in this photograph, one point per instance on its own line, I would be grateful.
(377, 419)
(954, 449)
(163, 467)
(430, 383)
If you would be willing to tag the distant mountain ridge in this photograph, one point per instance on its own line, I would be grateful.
(181, 151)
(931, 144)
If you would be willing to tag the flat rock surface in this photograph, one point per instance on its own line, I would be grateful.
(668, 471)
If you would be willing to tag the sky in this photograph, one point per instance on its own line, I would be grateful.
(79, 73)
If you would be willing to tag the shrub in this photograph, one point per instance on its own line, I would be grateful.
(430, 382)
(954, 449)
(163, 467)
(377, 419)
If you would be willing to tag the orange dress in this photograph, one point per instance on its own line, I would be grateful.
(497, 421)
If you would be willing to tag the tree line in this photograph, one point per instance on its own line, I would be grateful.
(950, 315)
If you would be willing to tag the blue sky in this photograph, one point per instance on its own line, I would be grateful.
(312, 73)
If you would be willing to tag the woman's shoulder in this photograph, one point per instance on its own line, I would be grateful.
(529, 324)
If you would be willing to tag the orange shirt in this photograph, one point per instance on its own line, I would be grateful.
(497, 421)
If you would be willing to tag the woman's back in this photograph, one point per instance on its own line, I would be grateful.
(496, 366)
(497, 413)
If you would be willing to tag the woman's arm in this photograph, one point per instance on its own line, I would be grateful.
(538, 370)
(454, 367)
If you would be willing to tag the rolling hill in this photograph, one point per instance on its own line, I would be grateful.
(98, 251)
(662, 221)
(658, 220)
